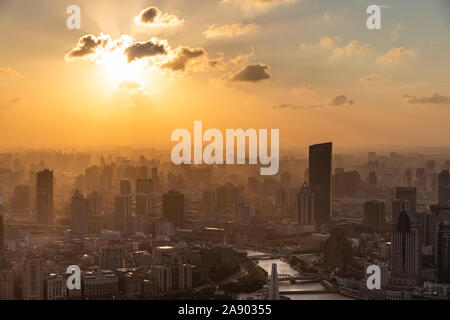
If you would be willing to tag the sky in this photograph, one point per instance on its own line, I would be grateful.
(137, 70)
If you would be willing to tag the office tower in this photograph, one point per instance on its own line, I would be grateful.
(406, 251)
(320, 179)
(337, 251)
(407, 179)
(444, 253)
(421, 178)
(32, 282)
(372, 183)
(208, 201)
(221, 198)
(143, 172)
(44, 197)
(444, 187)
(79, 208)
(162, 278)
(374, 215)
(95, 204)
(245, 213)
(6, 274)
(144, 191)
(274, 291)
(56, 287)
(234, 197)
(106, 178)
(92, 178)
(183, 276)
(123, 212)
(371, 156)
(21, 199)
(398, 206)
(441, 215)
(407, 193)
(3, 262)
(306, 176)
(173, 207)
(305, 206)
(125, 186)
(427, 222)
(100, 285)
(155, 179)
(112, 258)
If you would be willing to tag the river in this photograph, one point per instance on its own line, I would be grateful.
(284, 268)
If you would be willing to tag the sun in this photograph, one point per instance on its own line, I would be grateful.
(118, 70)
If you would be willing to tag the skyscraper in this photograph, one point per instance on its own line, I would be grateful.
(337, 250)
(406, 251)
(398, 206)
(173, 207)
(444, 253)
(444, 187)
(32, 281)
(320, 156)
(123, 213)
(44, 197)
(125, 186)
(144, 193)
(374, 215)
(407, 193)
(79, 214)
(6, 274)
(305, 206)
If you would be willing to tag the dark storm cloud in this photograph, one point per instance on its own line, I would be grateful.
(252, 73)
(435, 98)
(184, 56)
(149, 48)
(340, 100)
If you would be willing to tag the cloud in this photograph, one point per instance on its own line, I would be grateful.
(251, 73)
(371, 78)
(229, 30)
(258, 3)
(395, 54)
(152, 17)
(184, 57)
(15, 100)
(88, 45)
(353, 47)
(243, 58)
(435, 98)
(7, 72)
(328, 42)
(341, 100)
(150, 48)
(297, 107)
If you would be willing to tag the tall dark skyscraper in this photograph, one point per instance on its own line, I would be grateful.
(407, 193)
(320, 156)
(44, 197)
(444, 253)
(79, 214)
(3, 263)
(406, 251)
(173, 207)
(444, 187)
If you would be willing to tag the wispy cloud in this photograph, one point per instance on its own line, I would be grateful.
(395, 55)
(229, 30)
(435, 98)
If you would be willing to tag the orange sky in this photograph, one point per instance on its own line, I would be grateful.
(309, 68)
